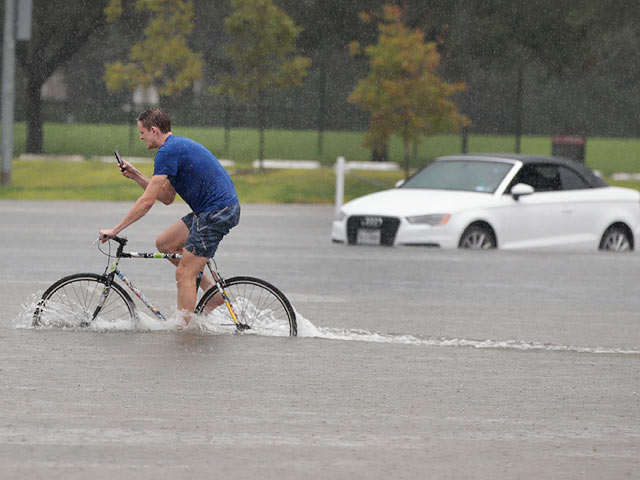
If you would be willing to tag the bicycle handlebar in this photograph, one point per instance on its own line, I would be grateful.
(121, 240)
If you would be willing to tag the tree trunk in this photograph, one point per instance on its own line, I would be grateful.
(261, 147)
(322, 94)
(49, 48)
(261, 125)
(464, 146)
(519, 107)
(407, 155)
(467, 67)
(34, 117)
(380, 154)
(227, 127)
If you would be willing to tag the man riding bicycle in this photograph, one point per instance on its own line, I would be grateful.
(187, 168)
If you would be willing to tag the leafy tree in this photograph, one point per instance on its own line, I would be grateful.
(402, 92)
(513, 36)
(88, 99)
(329, 26)
(163, 58)
(262, 52)
(59, 30)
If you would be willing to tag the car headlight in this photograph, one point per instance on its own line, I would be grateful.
(341, 216)
(433, 220)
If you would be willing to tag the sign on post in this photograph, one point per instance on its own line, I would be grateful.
(568, 146)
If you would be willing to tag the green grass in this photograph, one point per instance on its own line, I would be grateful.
(54, 180)
(92, 140)
(97, 181)
(605, 154)
(614, 154)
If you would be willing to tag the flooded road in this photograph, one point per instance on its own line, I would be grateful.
(411, 362)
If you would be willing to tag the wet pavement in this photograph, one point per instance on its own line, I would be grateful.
(414, 363)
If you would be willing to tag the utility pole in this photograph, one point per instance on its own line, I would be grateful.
(8, 89)
(9, 74)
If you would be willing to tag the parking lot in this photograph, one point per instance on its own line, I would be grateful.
(412, 362)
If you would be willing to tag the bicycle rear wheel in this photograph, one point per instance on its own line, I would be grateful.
(72, 302)
(258, 306)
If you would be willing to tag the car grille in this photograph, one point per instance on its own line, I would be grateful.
(388, 227)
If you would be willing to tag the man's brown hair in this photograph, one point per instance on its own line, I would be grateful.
(155, 117)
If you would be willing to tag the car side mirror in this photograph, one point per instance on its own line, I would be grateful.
(399, 183)
(520, 189)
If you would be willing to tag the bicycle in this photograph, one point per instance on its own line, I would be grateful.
(247, 302)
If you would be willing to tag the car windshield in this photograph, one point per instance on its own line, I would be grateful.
(466, 175)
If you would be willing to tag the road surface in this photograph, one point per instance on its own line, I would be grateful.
(412, 362)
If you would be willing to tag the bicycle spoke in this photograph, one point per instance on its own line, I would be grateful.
(259, 307)
(72, 302)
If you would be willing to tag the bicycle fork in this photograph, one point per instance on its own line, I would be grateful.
(101, 301)
(107, 290)
(225, 297)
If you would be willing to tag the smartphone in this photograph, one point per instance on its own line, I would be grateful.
(119, 160)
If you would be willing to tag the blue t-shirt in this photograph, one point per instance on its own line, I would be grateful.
(195, 174)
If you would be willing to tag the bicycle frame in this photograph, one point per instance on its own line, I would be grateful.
(113, 271)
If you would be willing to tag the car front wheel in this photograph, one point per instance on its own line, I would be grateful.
(477, 237)
(616, 239)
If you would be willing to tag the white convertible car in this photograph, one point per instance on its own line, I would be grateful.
(495, 201)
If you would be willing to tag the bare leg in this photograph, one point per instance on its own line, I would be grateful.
(214, 303)
(188, 268)
(172, 240)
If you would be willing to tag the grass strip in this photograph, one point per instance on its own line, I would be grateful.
(55, 180)
(608, 155)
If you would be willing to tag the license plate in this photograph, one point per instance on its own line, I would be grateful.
(368, 236)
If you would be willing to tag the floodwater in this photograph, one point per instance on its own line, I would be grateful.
(410, 362)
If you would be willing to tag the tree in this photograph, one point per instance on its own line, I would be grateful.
(262, 52)
(163, 58)
(329, 26)
(511, 36)
(59, 29)
(402, 92)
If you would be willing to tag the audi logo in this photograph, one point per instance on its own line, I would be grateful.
(371, 222)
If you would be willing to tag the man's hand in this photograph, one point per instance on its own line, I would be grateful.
(105, 235)
(144, 203)
(128, 170)
(131, 172)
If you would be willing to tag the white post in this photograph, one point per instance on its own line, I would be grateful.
(339, 168)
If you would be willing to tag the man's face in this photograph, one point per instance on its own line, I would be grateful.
(150, 137)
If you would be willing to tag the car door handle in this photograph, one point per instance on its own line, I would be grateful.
(567, 210)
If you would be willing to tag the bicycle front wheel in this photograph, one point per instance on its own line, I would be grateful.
(258, 306)
(72, 302)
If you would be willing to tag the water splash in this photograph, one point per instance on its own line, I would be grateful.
(217, 323)
(58, 318)
(367, 336)
(307, 329)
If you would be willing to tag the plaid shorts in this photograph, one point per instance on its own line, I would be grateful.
(206, 229)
